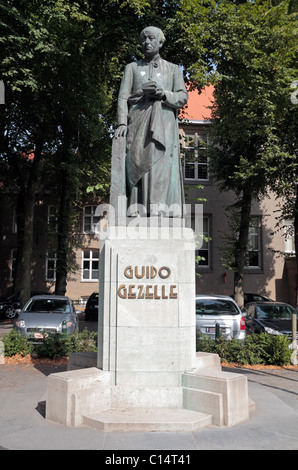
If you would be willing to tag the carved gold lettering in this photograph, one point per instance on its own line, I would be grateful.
(149, 295)
(153, 272)
(163, 294)
(173, 295)
(131, 294)
(162, 275)
(139, 276)
(128, 272)
(156, 296)
(122, 291)
(141, 293)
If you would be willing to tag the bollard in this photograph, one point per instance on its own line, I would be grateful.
(64, 328)
(217, 331)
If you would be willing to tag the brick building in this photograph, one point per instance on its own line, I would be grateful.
(268, 273)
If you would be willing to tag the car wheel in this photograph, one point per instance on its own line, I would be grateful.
(10, 313)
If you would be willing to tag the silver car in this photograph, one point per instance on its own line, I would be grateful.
(47, 314)
(219, 313)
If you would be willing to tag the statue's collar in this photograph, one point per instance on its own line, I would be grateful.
(154, 60)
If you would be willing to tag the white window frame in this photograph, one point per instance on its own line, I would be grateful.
(289, 233)
(87, 265)
(255, 241)
(204, 250)
(194, 160)
(93, 220)
(53, 219)
(51, 257)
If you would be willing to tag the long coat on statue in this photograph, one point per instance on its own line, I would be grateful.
(153, 164)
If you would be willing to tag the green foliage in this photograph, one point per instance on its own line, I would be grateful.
(53, 346)
(57, 345)
(84, 341)
(15, 343)
(255, 349)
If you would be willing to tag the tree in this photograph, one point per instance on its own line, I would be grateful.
(249, 48)
(61, 63)
(284, 170)
(27, 127)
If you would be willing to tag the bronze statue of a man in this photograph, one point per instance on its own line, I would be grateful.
(151, 93)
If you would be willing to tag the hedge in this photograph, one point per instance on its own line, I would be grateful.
(260, 348)
(255, 349)
(55, 346)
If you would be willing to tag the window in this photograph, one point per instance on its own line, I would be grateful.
(91, 221)
(204, 249)
(289, 237)
(13, 257)
(195, 159)
(53, 219)
(254, 243)
(51, 262)
(90, 265)
(14, 223)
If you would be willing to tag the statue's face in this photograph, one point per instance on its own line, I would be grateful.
(150, 42)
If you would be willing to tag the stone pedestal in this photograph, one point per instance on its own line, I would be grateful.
(146, 320)
(148, 374)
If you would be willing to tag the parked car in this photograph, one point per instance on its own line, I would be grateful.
(274, 318)
(9, 305)
(91, 309)
(221, 310)
(47, 314)
(253, 298)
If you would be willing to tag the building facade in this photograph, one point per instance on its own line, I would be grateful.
(271, 266)
(268, 272)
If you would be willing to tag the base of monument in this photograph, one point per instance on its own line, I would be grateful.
(150, 419)
(208, 396)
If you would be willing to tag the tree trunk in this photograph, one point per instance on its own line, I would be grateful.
(296, 242)
(64, 225)
(25, 221)
(241, 247)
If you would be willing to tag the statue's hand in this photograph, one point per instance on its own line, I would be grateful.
(151, 90)
(121, 131)
(159, 94)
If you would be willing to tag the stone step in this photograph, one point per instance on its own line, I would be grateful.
(147, 420)
(207, 360)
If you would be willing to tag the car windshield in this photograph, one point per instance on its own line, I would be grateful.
(275, 311)
(215, 307)
(48, 305)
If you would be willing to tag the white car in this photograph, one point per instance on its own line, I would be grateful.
(219, 314)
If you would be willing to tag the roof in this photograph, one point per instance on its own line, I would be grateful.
(197, 108)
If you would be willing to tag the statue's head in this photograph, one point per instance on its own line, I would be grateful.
(151, 40)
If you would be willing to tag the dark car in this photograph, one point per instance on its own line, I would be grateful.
(9, 305)
(91, 310)
(248, 297)
(255, 298)
(274, 318)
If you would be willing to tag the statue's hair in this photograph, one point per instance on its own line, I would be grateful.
(157, 31)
